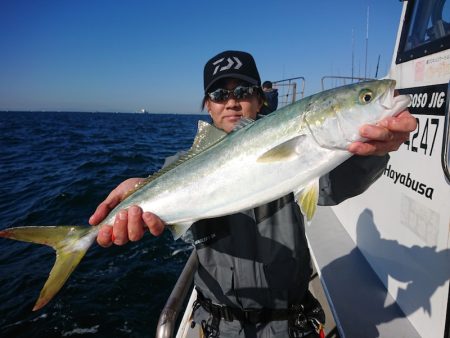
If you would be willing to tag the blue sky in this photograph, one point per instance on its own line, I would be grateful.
(124, 55)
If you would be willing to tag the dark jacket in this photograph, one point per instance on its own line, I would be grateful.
(271, 103)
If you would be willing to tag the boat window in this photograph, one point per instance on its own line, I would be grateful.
(426, 29)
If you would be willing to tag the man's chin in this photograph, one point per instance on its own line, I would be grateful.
(232, 120)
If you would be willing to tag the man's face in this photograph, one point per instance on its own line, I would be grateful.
(225, 114)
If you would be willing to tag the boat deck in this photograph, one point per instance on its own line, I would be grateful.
(359, 301)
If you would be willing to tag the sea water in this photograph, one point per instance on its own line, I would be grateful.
(55, 168)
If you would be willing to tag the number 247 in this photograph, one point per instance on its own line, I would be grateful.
(412, 143)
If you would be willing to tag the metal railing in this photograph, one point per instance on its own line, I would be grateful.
(288, 90)
(170, 312)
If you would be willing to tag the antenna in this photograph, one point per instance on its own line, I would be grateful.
(378, 63)
(353, 51)
(367, 41)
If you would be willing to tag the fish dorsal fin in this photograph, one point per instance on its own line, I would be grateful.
(283, 152)
(242, 123)
(207, 135)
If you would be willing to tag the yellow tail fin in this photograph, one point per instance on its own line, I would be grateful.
(70, 243)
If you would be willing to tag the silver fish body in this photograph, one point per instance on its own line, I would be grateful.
(260, 161)
(269, 158)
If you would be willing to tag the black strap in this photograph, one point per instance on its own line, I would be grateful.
(252, 316)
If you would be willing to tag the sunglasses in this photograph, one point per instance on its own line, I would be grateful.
(239, 93)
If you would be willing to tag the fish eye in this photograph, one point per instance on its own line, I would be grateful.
(365, 96)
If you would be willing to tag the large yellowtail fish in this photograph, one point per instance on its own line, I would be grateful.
(222, 174)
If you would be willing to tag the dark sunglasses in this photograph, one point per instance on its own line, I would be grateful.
(239, 93)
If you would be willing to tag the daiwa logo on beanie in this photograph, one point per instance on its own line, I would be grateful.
(231, 64)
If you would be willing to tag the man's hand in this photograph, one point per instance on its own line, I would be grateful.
(129, 225)
(388, 135)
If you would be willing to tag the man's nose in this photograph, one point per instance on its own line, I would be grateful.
(232, 101)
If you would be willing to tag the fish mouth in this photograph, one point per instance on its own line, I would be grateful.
(394, 104)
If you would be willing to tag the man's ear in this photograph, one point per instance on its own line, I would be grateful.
(207, 104)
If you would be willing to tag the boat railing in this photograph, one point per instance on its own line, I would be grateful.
(342, 80)
(170, 312)
(289, 90)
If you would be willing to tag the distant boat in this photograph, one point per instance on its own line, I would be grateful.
(144, 111)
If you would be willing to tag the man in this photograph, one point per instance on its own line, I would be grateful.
(271, 96)
(254, 266)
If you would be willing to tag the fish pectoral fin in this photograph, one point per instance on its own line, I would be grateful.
(308, 198)
(70, 243)
(179, 229)
(283, 152)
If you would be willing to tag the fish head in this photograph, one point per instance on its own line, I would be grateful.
(335, 116)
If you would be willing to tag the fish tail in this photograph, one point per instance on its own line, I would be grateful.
(70, 243)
